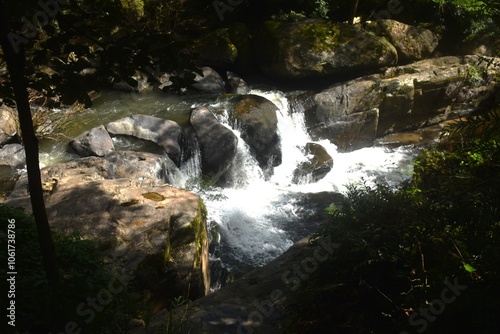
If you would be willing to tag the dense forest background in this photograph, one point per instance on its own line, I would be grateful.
(74, 48)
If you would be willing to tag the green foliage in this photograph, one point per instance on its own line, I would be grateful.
(177, 315)
(397, 248)
(466, 17)
(470, 6)
(90, 45)
(41, 309)
(321, 9)
(485, 124)
(474, 76)
(290, 16)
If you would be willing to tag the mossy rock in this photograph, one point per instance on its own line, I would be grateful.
(314, 48)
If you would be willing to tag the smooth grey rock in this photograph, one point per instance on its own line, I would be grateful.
(218, 144)
(165, 133)
(257, 120)
(95, 142)
(236, 85)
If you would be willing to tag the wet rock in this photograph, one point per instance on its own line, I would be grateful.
(95, 142)
(165, 133)
(236, 85)
(352, 114)
(350, 132)
(256, 118)
(218, 144)
(13, 155)
(318, 164)
(301, 101)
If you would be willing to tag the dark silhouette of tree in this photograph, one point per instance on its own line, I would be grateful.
(15, 65)
(353, 12)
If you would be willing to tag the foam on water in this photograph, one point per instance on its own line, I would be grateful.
(256, 217)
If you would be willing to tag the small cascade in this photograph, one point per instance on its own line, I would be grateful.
(255, 216)
(190, 157)
(245, 168)
(256, 219)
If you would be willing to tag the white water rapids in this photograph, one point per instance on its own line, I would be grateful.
(254, 220)
(257, 220)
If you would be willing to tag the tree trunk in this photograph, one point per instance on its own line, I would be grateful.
(15, 64)
(354, 10)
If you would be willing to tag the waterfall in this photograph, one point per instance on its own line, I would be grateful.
(254, 219)
(190, 158)
(256, 216)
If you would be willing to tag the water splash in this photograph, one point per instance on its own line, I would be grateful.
(257, 219)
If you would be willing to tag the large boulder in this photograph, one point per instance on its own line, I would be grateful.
(154, 235)
(412, 43)
(218, 144)
(96, 141)
(163, 132)
(8, 124)
(255, 303)
(350, 132)
(353, 114)
(256, 118)
(318, 164)
(315, 48)
(144, 169)
(13, 155)
(141, 168)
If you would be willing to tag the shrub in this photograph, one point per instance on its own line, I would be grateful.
(399, 247)
(42, 309)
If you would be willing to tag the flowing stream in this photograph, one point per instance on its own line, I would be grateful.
(253, 219)
(258, 219)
